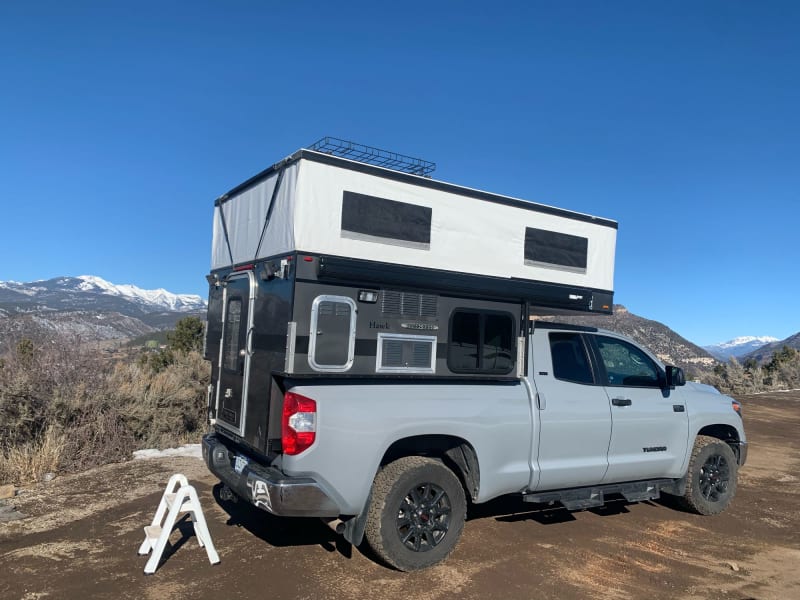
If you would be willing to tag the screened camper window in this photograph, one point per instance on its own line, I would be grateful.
(399, 353)
(385, 221)
(481, 342)
(233, 324)
(333, 333)
(555, 250)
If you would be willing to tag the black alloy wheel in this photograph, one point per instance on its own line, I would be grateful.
(715, 476)
(424, 517)
(416, 512)
(711, 476)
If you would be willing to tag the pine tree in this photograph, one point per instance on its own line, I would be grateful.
(188, 335)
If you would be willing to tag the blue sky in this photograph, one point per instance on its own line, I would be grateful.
(121, 122)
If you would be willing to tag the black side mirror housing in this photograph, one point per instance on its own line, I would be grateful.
(675, 376)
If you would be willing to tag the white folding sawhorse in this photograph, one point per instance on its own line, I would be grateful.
(156, 535)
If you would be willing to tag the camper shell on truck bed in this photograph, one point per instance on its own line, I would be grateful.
(324, 267)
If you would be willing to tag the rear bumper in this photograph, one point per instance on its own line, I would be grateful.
(267, 487)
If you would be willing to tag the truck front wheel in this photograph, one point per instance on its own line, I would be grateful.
(416, 514)
(711, 478)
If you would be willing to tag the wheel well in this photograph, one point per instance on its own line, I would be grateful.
(456, 453)
(726, 433)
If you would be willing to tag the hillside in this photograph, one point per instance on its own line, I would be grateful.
(764, 353)
(660, 339)
(88, 308)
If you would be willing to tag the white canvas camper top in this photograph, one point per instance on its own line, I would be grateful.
(317, 203)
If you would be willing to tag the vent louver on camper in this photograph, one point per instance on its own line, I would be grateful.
(409, 304)
(406, 353)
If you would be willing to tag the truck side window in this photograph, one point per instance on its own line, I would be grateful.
(570, 361)
(481, 342)
(627, 365)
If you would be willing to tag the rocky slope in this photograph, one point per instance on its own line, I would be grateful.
(660, 339)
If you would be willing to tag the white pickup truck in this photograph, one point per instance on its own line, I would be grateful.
(399, 461)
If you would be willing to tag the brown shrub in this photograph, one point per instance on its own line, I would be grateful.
(65, 406)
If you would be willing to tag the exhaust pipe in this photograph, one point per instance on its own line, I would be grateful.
(337, 525)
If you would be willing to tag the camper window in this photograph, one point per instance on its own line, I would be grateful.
(233, 322)
(481, 342)
(374, 219)
(333, 333)
(555, 250)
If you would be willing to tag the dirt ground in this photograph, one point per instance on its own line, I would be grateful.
(82, 533)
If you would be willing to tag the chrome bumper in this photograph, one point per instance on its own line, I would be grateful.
(267, 487)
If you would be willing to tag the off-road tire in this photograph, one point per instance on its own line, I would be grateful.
(711, 477)
(421, 500)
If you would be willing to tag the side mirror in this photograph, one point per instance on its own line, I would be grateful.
(675, 376)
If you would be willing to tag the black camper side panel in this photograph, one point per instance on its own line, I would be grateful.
(373, 330)
(272, 312)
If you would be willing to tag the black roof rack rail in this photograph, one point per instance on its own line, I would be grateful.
(374, 156)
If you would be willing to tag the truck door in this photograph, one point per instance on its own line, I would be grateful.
(235, 351)
(574, 419)
(650, 423)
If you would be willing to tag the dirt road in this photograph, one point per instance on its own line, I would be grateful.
(83, 531)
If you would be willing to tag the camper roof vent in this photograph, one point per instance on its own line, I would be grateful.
(374, 156)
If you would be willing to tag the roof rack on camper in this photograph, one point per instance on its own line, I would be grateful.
(359, 222)
(374, 156)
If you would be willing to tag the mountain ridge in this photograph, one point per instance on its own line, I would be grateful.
(88, 308)
(765, 352)
(738, 347)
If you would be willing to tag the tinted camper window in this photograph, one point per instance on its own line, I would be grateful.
(481, 342)
(233, 323)
(386, 221)
(553, 249)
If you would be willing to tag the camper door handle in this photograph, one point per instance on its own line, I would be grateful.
(249, 342)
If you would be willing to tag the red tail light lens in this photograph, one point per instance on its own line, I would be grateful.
(299, 423)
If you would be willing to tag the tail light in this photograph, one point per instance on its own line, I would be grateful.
(299, 423)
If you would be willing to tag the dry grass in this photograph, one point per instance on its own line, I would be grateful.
(67, 407)
(31, 461)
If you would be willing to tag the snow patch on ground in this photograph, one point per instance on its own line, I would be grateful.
(191, 450)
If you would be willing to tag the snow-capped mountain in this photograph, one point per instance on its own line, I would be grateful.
(160, 298)
(88, 308)
(739, 346)
(92, 293)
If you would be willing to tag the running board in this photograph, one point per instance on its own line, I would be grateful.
(590, 497)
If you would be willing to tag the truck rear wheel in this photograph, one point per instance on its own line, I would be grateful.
(711, 478)
(416, 514)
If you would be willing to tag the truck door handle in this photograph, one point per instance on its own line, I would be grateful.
(621, 401)
(678, 408)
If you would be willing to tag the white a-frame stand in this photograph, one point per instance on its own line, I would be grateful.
(156, 535)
